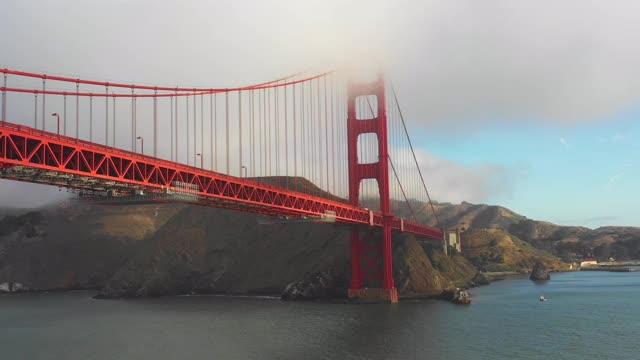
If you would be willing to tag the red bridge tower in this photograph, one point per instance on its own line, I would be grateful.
(371, 259)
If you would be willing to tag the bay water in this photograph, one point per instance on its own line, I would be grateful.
(588, 315)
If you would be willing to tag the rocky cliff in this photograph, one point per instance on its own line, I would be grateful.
(207, 250)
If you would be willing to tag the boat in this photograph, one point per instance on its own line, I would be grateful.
(542, 298)
(461, 296)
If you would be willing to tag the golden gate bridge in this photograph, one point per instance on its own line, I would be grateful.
(316, 147)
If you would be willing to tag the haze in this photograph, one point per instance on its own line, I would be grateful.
(529, 104)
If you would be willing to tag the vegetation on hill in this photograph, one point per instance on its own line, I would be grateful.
(497, 250)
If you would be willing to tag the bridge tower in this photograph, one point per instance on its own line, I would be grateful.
(371, 258)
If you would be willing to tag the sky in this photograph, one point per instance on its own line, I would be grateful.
(532, 105)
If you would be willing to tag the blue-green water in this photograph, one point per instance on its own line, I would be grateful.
(589, 315)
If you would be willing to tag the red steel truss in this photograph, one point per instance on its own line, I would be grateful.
(23, 146)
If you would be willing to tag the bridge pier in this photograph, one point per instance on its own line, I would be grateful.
(371, 267)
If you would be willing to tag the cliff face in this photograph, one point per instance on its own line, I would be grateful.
(420, 271)
(212, 250)
(72, 245)
(207, 250)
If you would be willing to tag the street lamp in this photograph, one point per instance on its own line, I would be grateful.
(201, 161)
(58, 116)
(245, 170)
(142, 145)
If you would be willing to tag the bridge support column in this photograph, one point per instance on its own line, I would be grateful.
(371, 256)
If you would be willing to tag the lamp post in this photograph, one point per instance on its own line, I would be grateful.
(58, 116)
(141, 145)
(201, 161)
(245, 170)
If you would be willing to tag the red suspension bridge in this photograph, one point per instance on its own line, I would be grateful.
(303, 147)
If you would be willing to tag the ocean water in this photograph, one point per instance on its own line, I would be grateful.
(589, 315)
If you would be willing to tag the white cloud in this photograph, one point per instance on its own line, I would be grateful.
(564, 143)
(613, 180)
(448, 181)
(617, 137)
(452, 61)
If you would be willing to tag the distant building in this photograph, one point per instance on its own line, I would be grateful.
(588, 262)
(452, 241)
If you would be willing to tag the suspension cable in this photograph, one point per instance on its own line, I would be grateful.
(404, 126)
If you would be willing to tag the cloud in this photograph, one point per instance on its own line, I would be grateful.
(452, 62)
(617, 137)
(613, 180)
(564, 143)
(15, 194)
(449, 181)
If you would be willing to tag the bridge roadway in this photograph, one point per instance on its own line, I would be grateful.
(31, 155)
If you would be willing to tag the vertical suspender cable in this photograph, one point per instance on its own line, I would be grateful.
(308, 123)
(44, 103)
(261, 133)
(253, 133)
(202, 130)
(326, 133)
(170, 128)
(215, 131)
(187, 119)
(133, 128)
(321, 124)
(113, 143)
(77, 110)
(226, 109)
(106, 115)
(313, 128)
(303, 142)
(295, 142)
(91, 118)
(175, 124)
(35, 111)
(4, 98)
(240, 133)
(64, 115)
(211, 129)
(286, 137)
(277, 128)
(135, 124)
(276, 132)
(269, 138)
(333, 142)
(195, 124)
(155, 123)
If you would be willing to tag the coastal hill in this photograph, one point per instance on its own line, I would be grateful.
(495, 250)
(149, 250)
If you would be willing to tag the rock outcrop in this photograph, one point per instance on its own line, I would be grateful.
(539, 272)
(322, 285)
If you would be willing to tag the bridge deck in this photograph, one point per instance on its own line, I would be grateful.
(27, 154)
